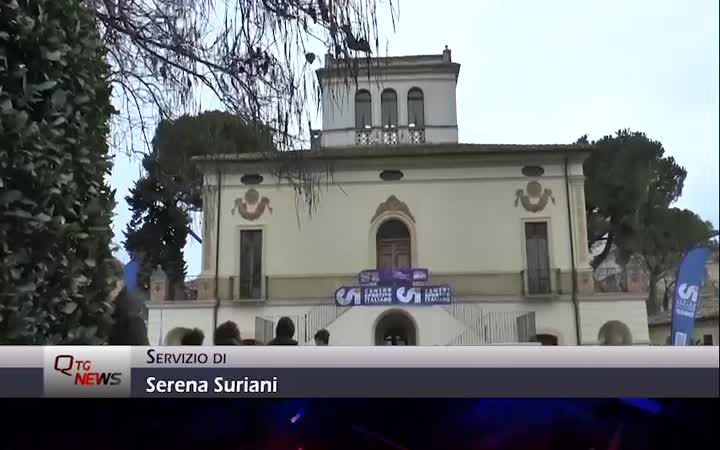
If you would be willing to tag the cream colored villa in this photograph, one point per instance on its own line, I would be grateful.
(503, 226)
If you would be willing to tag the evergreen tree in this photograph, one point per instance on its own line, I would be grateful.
(159, 227)
(55, 204)
(627, 175)
(172, 187)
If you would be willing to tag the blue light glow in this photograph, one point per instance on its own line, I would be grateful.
(645, 404)
(296, 418)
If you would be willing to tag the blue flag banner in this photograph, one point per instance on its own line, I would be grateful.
(130, 275)
(688, 284)
(393, 275)
(393, 295)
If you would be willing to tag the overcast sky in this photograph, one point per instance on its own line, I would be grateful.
(548, 72)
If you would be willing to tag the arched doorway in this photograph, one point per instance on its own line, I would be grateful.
(614, 332)
(546, 339)
(393, 245)
(395, 328)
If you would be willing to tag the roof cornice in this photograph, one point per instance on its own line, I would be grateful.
(414, 152)
(389, 66)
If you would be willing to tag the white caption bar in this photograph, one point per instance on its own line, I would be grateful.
(471, 357)
(302, 356)
(26, 356)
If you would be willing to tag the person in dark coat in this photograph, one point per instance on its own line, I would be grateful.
(322, 337)
(129, 326)
(227, 333)
(194, 337)
(284, 332)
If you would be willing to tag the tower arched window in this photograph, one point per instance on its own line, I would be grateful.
(416, 108)
(363, 110)
(389, 109)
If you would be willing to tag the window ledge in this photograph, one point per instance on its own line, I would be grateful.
(549, 296)
(248, 300)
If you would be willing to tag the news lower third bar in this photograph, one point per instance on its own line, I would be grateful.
(367, 372)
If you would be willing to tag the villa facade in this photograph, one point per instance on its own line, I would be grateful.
(502, 226)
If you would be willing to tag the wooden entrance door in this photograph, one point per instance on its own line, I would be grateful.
(393, 254)
(393, 246)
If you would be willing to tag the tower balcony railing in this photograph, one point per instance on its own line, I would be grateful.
(416, 135)
(366, 136)
(389, 135)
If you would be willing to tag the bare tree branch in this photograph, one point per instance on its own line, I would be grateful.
(253, 56)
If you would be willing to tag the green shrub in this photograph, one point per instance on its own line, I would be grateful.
(55, 202)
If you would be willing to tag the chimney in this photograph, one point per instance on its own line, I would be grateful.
(447, 57)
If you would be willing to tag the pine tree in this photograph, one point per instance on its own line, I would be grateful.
(159, 227)
(171, 187)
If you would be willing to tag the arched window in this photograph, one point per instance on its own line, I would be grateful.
(416, 108)
(393, 246)
(615, 332)
(363, 110)
(389, 109)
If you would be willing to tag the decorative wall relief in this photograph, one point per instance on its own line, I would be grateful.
(533, 198)
(392, 204)
(251, 207)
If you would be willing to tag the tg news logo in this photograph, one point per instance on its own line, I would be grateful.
(82, 373)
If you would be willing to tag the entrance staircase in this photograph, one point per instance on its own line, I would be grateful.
(306, 325)
(491, 327)
(481, 327)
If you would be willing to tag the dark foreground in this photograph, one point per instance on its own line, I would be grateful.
(358, 424)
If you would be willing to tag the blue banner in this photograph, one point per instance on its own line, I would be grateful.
(688, 283)
(130, 274)
(393, 295)
(393, 275)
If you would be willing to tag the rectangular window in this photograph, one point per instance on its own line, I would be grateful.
(251, 264)
(707, 339)
(538, 261)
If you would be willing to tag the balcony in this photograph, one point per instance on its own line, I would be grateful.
(416, 135)
(387, 136)
(390, 136)
(365, 137)
(541, 282)
(229, 288)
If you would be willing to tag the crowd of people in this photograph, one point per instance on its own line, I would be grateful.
(228, 333)
(130, 329)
